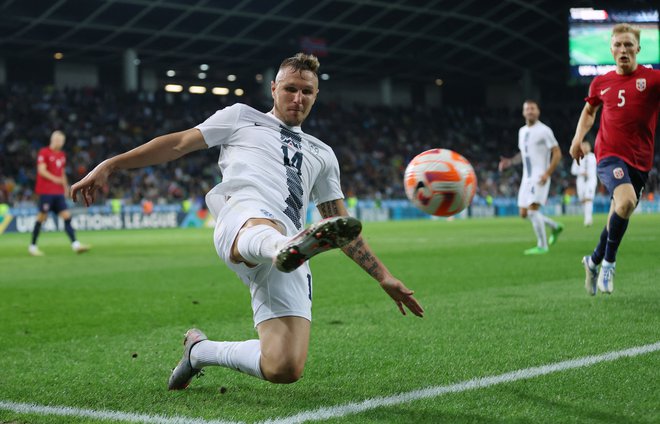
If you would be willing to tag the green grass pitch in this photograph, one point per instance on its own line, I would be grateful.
(103, 330)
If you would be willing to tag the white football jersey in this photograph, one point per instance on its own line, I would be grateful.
(263, 159)
(586, 170)
(535, 143)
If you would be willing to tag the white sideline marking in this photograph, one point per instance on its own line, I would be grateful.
(341, 410)
(476, 383)
(66, 411)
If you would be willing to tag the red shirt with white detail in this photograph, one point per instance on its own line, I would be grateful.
(55, 161)
(629, 116)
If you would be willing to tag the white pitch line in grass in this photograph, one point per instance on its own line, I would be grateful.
(340, 410)
(127, 417)
(476, 383)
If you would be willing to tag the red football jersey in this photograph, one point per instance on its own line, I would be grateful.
(55, 161)
(629, 116)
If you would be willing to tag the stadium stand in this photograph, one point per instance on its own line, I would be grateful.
(373, 144)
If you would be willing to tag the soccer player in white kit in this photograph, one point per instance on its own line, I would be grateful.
(586, 180)
(540, 155)
(271, 169)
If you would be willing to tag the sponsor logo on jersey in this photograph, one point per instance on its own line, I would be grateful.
(618, 173)
(602, 92)
(641, 84)
(314, 148)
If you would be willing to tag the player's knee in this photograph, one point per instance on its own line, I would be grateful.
(626, 207)
(285, 372)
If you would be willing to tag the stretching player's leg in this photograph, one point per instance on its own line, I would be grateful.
(33, 249)
(258, 242)
(278, 356)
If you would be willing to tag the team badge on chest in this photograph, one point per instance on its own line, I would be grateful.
(641, 84)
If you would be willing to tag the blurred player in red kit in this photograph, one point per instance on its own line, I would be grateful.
(52, 185)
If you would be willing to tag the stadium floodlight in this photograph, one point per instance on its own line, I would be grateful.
(173, 88)
(239, 92)
(220, 91)
(197, 89)
(231, 77)
(201, 75)
(258, 77)
(58, 55)
(325, 77)
(170, 73)
(203, 67)
(439, 82)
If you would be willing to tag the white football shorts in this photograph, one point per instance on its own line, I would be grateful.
(274, 294)
(586, 189)
(532, 192)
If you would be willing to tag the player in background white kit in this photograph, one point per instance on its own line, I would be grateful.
(540, 155)
(586, 180)
(271, 169)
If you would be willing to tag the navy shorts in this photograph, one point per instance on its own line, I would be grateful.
(52, 203)
(613, 171)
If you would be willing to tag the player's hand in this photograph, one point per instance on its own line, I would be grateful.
(576, 151)
(93, 181)
(402, 296)
(504, 163)
(543, 179)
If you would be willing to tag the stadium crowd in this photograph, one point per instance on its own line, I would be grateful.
(373, 144)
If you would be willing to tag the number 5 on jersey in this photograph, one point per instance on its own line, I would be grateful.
(622, 100)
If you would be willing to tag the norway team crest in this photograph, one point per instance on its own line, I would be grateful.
(641, 84)
(618, 173)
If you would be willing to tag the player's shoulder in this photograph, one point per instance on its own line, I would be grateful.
(45, 152)
(652, 74)
(316, 145)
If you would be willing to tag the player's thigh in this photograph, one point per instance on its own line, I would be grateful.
(65, 214)
(284, 342)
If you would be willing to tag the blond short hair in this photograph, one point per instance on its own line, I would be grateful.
(302, 62)
(624, 28)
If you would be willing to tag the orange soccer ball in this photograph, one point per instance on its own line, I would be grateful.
(440, 182)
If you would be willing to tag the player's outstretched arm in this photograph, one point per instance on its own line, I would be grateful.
(586, 121)
(161, 149)
(361, 253)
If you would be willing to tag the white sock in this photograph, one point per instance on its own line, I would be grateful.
(592, 265)
(240, 356)
(588, 212)
(539, 228)
(547, 221)
(259, 244)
